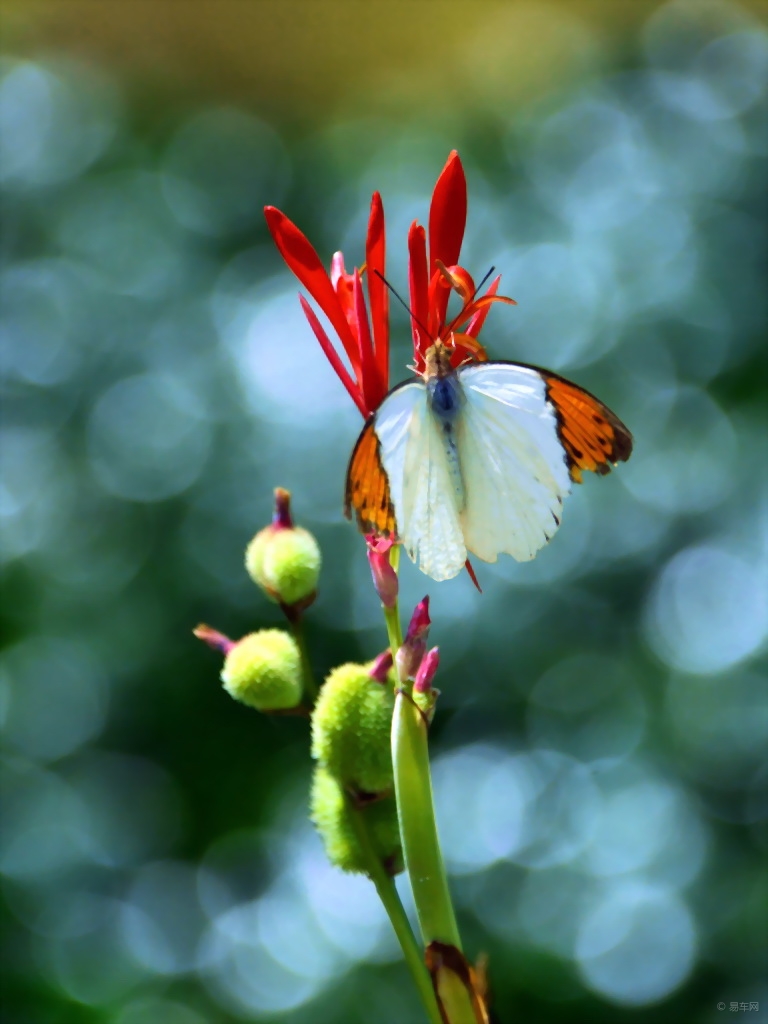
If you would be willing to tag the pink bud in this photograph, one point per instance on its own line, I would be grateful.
(381, 666)
(426, 671)
(281, 517)
(213, 638)
(384, 576)
(409, 656)
(420, 621)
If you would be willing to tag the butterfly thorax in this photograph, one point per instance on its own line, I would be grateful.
(445, 397)
(445, 401)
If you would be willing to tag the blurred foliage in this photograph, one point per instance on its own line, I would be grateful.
(600, 740)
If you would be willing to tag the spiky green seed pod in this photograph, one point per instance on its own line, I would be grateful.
(332, 816)
(263, 670)
(351, 728)
(283, 559)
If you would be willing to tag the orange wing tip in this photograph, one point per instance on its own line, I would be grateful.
(367, 489)
(593, 437)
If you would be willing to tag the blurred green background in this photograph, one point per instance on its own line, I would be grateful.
(600, 743)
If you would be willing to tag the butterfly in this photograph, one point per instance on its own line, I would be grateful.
(477, 459)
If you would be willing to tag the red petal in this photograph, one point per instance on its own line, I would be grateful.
(466, 348)
(473, 308)
(477, 321)
(333, 358)
(418, 282)
(368, 377)
(378, 296)
(302, 259)
(447, 219)
(459, 280)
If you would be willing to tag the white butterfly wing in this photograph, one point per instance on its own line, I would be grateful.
(420, 483)
(512, 462)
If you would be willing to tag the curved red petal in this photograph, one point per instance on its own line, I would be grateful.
(418, 282)
(334, 359)
(466, 349)
(459, 279)
(298, 253)
(472, 308)
(368, 378)
(478, 319)
(378, 296)
(447, 219)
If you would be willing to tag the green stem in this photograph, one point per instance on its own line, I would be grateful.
(421, 845)
(310, 686)
(388, 895)
(418, 828)
(394, 630)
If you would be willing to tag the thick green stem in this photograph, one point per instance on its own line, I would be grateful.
(388, 895)
(394, 630)
(418, 828)
(421, 846)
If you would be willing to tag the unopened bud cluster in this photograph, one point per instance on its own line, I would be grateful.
(351, 743)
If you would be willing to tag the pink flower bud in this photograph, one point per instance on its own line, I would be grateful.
(420, 621)
(381, 667)
(281, 517)
(426, 671)
(213, 638)
(384, 576)
(414, 648)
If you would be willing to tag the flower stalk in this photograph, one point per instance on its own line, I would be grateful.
(416, 812)
(387, 893)
(452, 991)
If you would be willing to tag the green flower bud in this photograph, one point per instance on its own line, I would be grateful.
(283, 559)
(351, 728)
(263, 670)
(332, 815)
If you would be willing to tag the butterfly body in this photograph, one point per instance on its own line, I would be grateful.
(477, 459)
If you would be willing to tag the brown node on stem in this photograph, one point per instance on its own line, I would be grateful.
(450, 969)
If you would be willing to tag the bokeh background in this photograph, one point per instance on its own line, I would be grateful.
(600, 743)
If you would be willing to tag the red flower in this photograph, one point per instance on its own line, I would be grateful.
(431, 280)
(341, 298)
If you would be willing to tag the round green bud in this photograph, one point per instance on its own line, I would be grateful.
(332, 815)
(285, 563)
(254, 556)
(351, 727)
(263, 670)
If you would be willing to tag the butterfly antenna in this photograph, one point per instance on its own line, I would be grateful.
(403, 303)
(481, 284)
